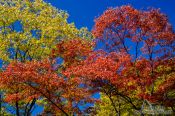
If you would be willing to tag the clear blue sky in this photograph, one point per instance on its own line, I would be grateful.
(83, 12)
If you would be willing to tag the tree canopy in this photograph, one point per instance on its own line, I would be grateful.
(49, 63)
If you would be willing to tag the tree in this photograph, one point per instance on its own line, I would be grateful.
(23, 82)
(138, 45)
(135, 68)
(103, 71)
(109, 106)
(30, 31)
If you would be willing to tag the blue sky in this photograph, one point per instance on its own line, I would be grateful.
(83, 12)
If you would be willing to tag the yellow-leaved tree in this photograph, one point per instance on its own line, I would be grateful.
(32, 28)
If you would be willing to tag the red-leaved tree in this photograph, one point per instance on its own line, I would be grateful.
(139, 63)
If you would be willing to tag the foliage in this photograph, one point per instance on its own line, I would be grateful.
(23, 82)
(135, 68)
(33, 28)
(29, 32)
(106, 106)
(138, 65)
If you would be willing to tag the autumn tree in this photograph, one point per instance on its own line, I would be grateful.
(106, 106)
(136, 66)
(30, 32)
(32, 29)
(37, 80)
(138, 46)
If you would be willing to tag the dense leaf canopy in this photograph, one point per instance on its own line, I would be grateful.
(50, 64)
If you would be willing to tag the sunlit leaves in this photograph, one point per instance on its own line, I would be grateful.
(50, 23)
(73, 50)
(29, 31)
(26, 81)
(139, 65)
